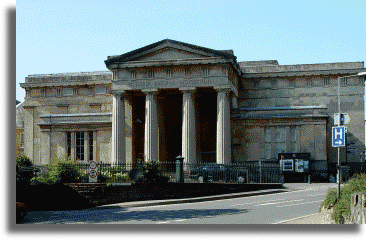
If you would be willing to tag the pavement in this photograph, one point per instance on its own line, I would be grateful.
(317, 218)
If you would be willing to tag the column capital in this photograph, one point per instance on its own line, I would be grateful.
(118, 93)
(149, 90)
(223, 89)
(187, 89)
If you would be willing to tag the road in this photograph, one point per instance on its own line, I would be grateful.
(261, 209)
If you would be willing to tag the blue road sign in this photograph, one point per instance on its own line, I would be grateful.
(338, 136)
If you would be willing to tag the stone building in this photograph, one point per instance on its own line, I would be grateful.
(19, 131)
(172, 98)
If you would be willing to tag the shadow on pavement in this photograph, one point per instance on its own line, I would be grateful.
(121, 215)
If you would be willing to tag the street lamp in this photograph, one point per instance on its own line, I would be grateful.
(339, 124)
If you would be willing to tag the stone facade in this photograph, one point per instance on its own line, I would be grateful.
(66, 114)
(172, 98)
(19, 132)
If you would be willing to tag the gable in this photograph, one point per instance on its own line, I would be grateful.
(167, 50)
(168, 53)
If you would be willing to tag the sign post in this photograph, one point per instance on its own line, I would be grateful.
(93, 172)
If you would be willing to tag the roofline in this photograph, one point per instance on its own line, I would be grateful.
(127, 56)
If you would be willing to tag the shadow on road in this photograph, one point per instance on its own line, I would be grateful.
(121, 215)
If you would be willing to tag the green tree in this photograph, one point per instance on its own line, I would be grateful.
(24, 170)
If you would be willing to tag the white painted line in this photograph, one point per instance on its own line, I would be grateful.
(321, 194)
(300, 203)
(246, 203)
(295, 218)
(161, 222)
(264, 204)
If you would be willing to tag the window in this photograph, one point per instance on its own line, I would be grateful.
(68, 144)
(280, 144)
(80, 145)
(267, 142)
(91, 140)
(326, 81)
(79, 137)
(293, 139)
(285, 140)
(21, 140)
(344, 82)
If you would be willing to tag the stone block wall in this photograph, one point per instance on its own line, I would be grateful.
(358, 208)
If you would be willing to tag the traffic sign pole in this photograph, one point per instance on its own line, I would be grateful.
(339, 162)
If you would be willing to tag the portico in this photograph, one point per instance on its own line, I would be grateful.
(175, 80)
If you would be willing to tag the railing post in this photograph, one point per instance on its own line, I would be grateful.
(179, 169)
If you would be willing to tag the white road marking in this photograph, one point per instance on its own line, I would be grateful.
(295, 218)
(246, 203)
(316, 195)
(300, 203)
(264, 204)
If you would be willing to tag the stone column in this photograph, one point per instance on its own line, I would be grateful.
(129, 130)
(234, 101)
(223, 136)
(118, 126)
(189, 127)
(151, 124)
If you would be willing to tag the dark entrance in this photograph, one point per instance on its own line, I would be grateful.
(138, 112)
(206, 104)
(170, 125)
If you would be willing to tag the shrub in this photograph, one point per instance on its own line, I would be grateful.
(59, 171)
(119, 177)
(342, 208)
(149, 172)
(24, 170)
(330, 199)
(67, 171)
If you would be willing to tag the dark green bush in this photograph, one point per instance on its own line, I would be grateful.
(59, 171)
(148, 172)
(24, 170)
(342, 208)
(68, 172)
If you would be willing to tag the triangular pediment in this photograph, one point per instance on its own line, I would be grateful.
(166, 50)
(168, 53)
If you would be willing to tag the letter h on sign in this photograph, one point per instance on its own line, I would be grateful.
(338, 136)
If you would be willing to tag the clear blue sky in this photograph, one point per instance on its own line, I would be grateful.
(72, 36)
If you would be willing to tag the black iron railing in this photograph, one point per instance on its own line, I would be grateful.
(245, 172)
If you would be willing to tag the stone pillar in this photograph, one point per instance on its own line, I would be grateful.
(234, 101)
(151, 124)
(129, 130)
(223, 135)
(118, 126)
(189, 143)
